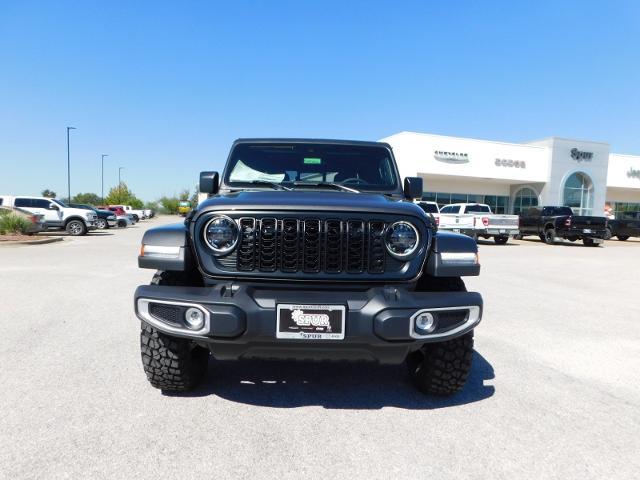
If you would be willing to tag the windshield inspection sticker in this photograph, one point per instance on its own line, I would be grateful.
(312, 161)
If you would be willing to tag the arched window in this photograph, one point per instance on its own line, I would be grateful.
(578, 193)
(525, 198)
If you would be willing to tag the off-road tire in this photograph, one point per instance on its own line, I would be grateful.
(76, 228)
(442, 368)
(550, 236)
(500, 240)
(623, 238)
(171, 363)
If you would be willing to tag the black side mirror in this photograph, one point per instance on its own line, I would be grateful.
(413, 188)
(209, 182)
(53, 206)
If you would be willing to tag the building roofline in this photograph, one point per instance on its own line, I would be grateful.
(479, 140)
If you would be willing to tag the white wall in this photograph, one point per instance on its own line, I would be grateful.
(624, 171)
(415, 154)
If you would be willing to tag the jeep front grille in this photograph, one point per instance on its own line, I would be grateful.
(310, 245)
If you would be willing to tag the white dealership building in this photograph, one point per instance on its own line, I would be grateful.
(514, 176)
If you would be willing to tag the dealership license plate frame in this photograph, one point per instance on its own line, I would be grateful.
(289, 329)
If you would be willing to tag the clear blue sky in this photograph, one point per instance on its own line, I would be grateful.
(164, 87)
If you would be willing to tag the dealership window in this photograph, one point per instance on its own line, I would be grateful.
(524, 199)
(498, 203)
(578, 193)
(622, 209)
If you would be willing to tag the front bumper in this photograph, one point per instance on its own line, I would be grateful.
(241, 320)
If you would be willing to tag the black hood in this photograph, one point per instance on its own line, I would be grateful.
(311, 201)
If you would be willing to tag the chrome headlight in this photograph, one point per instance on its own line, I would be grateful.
(402, 239)
(221, 234)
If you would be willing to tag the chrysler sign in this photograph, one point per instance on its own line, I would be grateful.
(451, 157)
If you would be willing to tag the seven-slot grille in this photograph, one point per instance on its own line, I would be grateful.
(310, 245)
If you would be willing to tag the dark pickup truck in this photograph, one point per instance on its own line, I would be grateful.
(625, 227)
(550, 223)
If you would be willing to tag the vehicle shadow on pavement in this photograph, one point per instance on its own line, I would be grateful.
(333, 385)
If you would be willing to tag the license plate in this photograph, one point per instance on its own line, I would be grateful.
(310, 322)
(503, 231)
(586, 230)
(597, 240)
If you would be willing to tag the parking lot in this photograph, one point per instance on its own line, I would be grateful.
(554, 391)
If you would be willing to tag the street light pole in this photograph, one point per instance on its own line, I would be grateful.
(69, 166)
(119, 181)
(102, 178)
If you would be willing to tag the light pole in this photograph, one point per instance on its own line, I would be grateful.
(69, 166)
(102, 178)
(119, 181)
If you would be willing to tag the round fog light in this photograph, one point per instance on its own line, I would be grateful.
(424, 323)
(194, 318)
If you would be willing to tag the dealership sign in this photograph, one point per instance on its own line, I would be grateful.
(507, 162)
(451, 157)
(581, 156)
(633, 173)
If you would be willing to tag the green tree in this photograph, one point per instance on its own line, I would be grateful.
(121, 195)
(90, 198)
(48, 193)
(194, 197)
(184, 195)
(169, 205)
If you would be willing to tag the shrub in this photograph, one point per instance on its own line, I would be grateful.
(12, 223)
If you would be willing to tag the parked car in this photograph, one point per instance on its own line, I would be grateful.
(36, 220)
(137, 214)
(105, 219)
(281, 262)
(431, 208)
(57, 214)
(623, 228)
(124, 219)
(550, 223)
(477, 220)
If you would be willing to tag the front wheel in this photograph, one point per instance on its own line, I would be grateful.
(623, 238)
(76, 228)
(500, 240)
(442, 368)
(170, 363)
(101, 223)
(550, 236)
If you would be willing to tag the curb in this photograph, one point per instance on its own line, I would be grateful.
(41, 241)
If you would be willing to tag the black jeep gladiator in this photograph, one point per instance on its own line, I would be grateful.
(550, 223)
(308, 250)
(623, 228)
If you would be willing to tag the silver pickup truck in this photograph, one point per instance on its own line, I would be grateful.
(477, 220)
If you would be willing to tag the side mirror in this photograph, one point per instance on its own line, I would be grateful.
(53, 206)
(413, 188)
(209, 182)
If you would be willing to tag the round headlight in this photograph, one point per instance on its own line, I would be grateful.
(401, 239)
(221, 234)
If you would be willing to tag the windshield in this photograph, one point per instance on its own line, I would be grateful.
(185, 204)
(361, 167)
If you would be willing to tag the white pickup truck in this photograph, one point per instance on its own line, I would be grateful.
(137, 214)
(477, 220)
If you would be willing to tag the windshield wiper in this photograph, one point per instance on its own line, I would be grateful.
(275, 186)
(335, 186)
